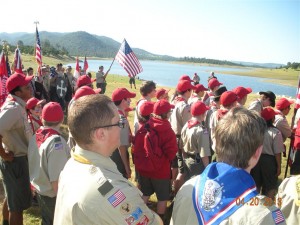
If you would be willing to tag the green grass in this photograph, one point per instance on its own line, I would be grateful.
(32, 217)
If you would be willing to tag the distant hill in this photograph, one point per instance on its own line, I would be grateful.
(94, 45)
(81, 43)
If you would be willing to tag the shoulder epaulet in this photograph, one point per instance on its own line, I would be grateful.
(57, 139)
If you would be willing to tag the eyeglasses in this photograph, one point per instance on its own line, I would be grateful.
(120, 124)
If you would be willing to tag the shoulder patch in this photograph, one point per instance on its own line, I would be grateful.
(58, 146)
(105, 188)
(117, 198)
(278, 216)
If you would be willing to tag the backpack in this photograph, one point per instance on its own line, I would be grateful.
(297, 137)
(148, 155)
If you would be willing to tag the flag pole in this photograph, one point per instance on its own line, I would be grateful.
(39, 66)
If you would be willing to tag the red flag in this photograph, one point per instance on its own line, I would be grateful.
(3, 78)
(38, 52)
(85, 65)
(76, 71)
(17, 61)
(128, 60)
(297, 102)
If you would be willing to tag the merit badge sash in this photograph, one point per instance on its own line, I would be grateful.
(216, 190)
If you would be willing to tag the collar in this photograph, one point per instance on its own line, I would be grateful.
(17, 99)
(192, 123)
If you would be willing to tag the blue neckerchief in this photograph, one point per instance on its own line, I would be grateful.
(216, 190)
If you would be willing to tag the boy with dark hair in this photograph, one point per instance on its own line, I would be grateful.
(267, 98)
(148, 91)
(225, 193)
(15, 133)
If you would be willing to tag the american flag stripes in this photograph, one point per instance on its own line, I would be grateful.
(278, 216)
(297, 103)
(76, 71)
(128, 60)
(17, 61)
(116, 198)
(38, 49)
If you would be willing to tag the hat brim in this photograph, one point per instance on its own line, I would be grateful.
(131, 95)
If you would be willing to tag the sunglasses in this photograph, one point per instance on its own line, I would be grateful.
(120, 124)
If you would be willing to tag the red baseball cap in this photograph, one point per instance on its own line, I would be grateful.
(146, 108)
(241, 92)
(84, 80)
(184, 85)
(162, 106)
(283, 103)
(52, 112)
(121, 93)
(212, 83)
(85, 90)
(17, 80)
(227, 98)
(160, 92)
(33, 102)
(198, 108)
(185, 77)
(200, 87)
(268, 113)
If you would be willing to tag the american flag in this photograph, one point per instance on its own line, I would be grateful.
(85, 65)
(38, 51)
(17, 61)
(297, 103)
(277, 216)
(116, 198)
(3, 78)
(128, 60)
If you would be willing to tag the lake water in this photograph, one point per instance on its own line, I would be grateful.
(167, 74)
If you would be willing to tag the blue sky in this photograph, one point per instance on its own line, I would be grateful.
(243, 30)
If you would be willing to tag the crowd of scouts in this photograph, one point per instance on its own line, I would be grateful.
(218, 159)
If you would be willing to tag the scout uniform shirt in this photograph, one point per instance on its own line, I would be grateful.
(92, 191)
(273, 143)
(14, 127)
(288, 199)
(180, 115)
(46, 160)
(196, 145)
(256, 211)
(281, 124)
(256, 106)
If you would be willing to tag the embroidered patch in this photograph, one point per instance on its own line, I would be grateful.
(116, 198)
(134, 216)
(212, 195)
(143, 221)
(105, 188)
(58, 146)
(277, 216)
(93, 170)
(125, 208)
(57, 139)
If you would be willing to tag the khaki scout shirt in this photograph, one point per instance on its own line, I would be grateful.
(180, 115)
(184, 213)
(195, 140)
(97, 193)
(273, 143)
(288, 199)
(14, 126)
(283, 126)
(46, 163)
(100, 77)
(256, 106)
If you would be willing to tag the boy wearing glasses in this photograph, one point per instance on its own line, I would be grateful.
(91, 189)
(122, 98)
(15, 133)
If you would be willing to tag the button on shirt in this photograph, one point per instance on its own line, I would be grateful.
(14, 126)
(97, 193)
